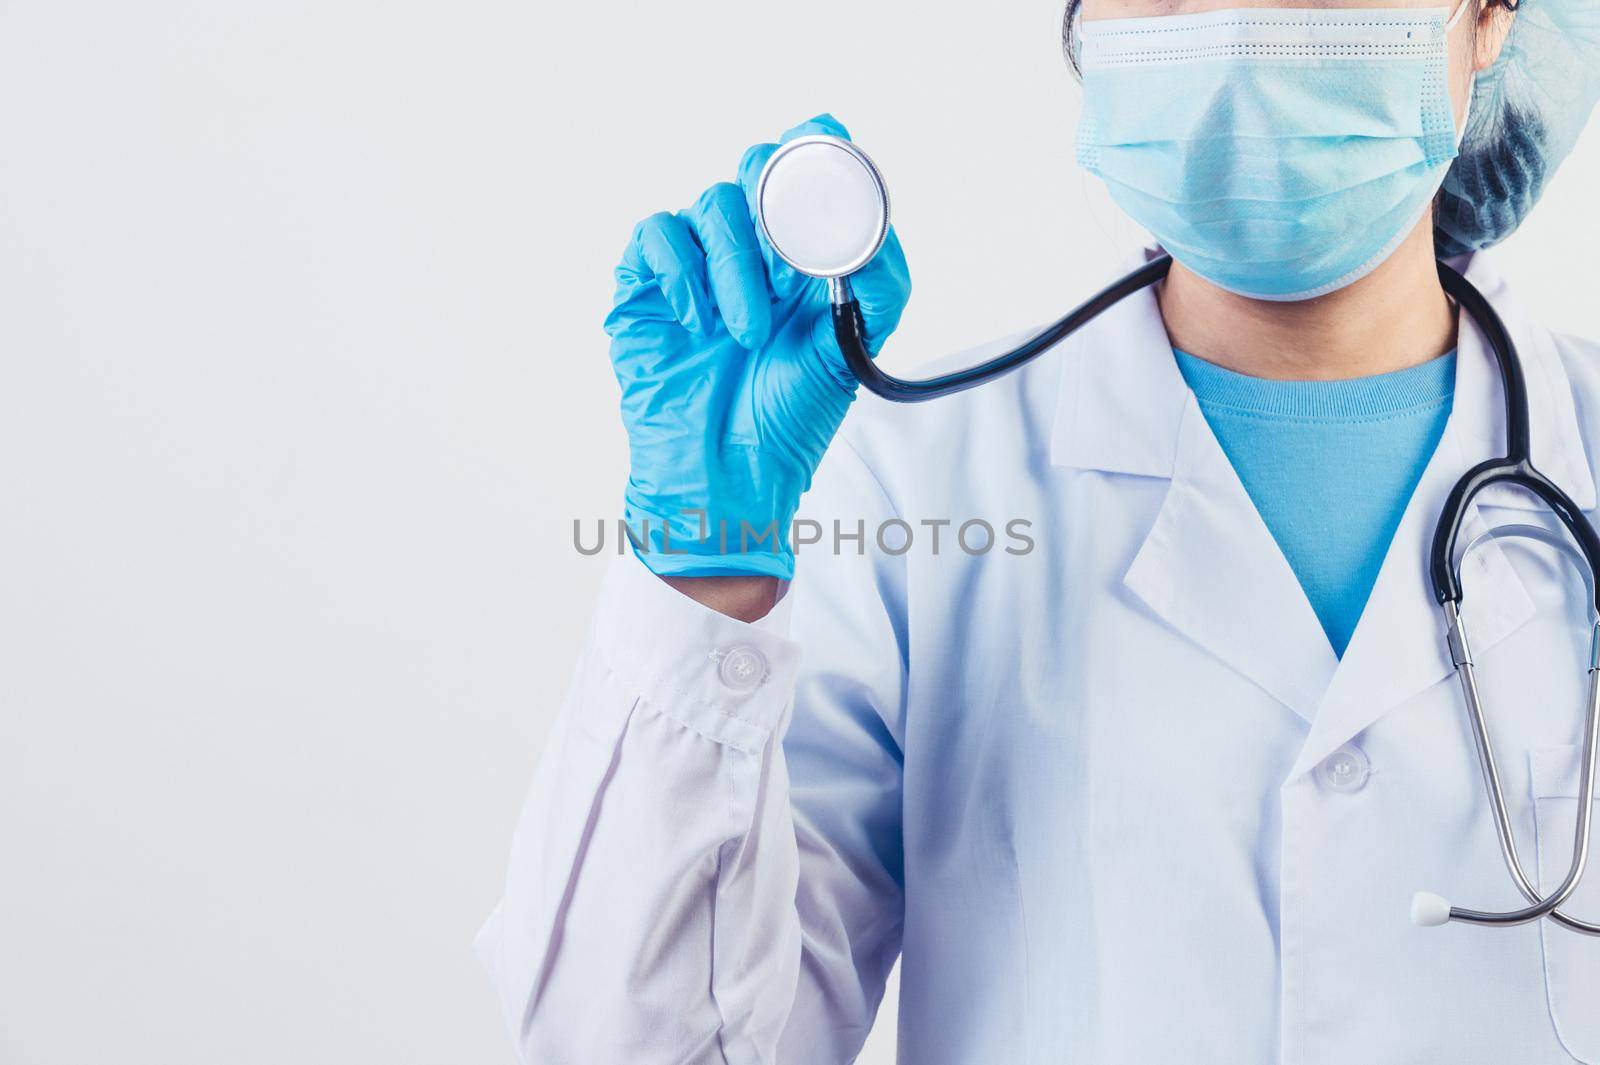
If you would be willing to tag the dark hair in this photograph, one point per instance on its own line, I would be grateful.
(1069, 27)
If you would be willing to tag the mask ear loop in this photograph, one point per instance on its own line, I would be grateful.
(1472, 82)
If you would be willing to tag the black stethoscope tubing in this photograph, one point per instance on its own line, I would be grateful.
(1514, 468)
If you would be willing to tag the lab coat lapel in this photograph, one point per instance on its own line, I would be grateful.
(1208, 567)
(1398, 649)
(1212, 570)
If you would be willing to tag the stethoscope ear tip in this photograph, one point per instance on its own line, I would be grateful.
(1429, 910)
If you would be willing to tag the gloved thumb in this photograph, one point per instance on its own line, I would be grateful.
(883, 288)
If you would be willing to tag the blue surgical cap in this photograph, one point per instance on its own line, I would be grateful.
(1526, 116)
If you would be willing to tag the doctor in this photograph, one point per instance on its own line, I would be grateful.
(1159, 785)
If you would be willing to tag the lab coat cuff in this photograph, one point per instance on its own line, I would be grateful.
(729, 679)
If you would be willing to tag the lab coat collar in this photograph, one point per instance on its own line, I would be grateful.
(1210, 568)
(1122, 396)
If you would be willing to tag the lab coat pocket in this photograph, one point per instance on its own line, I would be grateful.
(1571, 960)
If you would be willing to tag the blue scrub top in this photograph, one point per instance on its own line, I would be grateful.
(1330, 467)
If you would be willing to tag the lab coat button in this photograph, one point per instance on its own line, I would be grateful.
(1346, 769)
(741, 668)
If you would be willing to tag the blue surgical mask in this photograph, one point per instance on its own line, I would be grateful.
(1280, 154)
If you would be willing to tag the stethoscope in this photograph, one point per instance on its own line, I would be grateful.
(823, 207)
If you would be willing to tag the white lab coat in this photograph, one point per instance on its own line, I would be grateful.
(1114, 800)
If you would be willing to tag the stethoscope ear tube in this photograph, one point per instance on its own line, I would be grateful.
(851, 333)
(1442, 566)
(1515, 469)
(1445, 560)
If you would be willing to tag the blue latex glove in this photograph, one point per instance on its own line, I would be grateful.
(732, 382)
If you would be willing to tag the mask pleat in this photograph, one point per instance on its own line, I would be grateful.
(1272, 151)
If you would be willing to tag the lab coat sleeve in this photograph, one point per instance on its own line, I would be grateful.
(672, 895)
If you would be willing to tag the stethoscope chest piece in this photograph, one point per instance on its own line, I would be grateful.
(823, 206)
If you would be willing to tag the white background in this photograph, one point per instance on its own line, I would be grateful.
(302, 384)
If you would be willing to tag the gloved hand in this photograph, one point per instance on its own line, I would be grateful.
(732, 382)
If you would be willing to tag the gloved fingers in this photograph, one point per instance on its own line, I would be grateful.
(738, 277)
(883, 288)
(820, 125)
(638, 300)
(664, 249)
(756, 156)
(784, 280)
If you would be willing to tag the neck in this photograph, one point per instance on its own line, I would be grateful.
(1396, 317)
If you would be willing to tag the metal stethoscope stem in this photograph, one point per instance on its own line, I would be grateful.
(824, 209)
(1431, 909)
